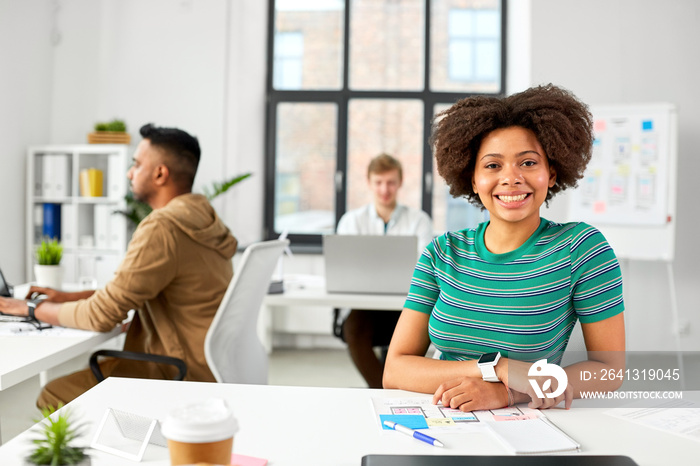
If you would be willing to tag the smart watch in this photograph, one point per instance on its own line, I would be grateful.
(31, 307)
(487, 364)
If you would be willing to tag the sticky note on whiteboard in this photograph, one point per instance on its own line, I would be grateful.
(647, 125)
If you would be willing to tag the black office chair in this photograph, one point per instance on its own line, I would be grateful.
(133, 356)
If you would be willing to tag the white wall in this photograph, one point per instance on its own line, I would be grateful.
(25, 94)
(144, 61)
(194, 64)
(636, 51)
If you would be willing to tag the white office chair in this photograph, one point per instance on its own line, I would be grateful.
(232, 348)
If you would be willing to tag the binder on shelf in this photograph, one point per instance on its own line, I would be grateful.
(117, 230)
(101, 227)
(86, 266)
(52, 221)
(116, 177)
(68, 231)
(38, 176)
(68, 266)
(105, 266)
(55, 175)
(38, 222)
(91, 182)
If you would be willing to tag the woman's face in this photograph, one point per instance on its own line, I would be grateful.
(512, 176)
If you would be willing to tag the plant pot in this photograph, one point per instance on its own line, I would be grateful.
(108, 137)
(50, 276)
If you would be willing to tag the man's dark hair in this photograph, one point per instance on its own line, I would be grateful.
(562, 124)
(181, 149)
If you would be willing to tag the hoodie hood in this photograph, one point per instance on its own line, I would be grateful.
(193, 214)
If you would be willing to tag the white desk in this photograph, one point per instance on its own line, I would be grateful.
(336, 426)
(32, 355)
(27, 356)
(310, 291)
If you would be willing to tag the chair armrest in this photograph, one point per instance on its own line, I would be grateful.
(133, 356)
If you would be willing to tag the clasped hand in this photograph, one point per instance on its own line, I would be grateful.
(470, 393)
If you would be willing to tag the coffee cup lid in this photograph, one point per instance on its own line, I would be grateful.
(210, 420)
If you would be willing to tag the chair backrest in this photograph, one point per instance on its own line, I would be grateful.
(232, 348)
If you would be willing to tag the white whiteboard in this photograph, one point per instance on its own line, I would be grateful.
(628, 190)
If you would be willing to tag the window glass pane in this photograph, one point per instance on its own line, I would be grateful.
(487, 63)
(289, 51)
(387, 44)
(465, 46)
(459, 23)
(461, 64)
(305, 163)
(394, 127)
(488, 23)
(308, 48)
(451, 213)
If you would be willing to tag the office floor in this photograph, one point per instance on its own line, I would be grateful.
(309, 367)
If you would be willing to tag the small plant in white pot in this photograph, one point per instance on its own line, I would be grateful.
(47, 270)
(54, 444)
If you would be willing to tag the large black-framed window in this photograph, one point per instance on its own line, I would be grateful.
(349, 79)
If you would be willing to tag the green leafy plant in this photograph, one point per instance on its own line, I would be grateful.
(57, 433)
(117, 126)
(220, 188)
(49, 252)
(137, 210)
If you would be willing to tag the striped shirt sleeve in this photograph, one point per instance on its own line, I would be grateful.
(424, 290)
(596, 280)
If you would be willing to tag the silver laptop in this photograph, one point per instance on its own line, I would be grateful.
(369, 264)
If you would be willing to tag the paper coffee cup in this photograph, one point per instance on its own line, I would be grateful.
(200, 432)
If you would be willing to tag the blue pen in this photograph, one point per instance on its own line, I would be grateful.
(413, 433)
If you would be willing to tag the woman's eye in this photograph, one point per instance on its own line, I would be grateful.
(529, 163)
(492, 165)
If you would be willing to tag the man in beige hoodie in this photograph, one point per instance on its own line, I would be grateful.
(175, 273)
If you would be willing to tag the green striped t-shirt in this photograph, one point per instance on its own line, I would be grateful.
(523, 303)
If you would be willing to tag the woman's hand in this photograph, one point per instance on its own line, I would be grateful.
(471, 394)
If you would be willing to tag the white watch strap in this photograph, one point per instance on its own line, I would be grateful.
(488, 373)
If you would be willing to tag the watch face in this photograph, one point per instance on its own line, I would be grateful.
(488, 358)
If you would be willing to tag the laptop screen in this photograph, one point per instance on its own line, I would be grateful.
(369, 264)
(4, 287)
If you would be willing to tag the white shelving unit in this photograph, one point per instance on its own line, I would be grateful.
(94, 237)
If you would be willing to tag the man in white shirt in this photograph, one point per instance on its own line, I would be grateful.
(363, 329)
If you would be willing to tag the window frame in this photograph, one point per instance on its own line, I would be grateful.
(342, 97)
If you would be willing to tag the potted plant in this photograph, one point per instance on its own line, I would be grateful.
(111, 132)
(53, 447)
(47, 270)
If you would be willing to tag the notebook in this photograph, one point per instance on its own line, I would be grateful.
(369, 264)
(430, 460)
(533, 436)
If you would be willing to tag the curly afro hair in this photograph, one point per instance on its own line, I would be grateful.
(561, 123)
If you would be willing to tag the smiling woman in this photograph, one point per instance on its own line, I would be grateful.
(511, 290)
